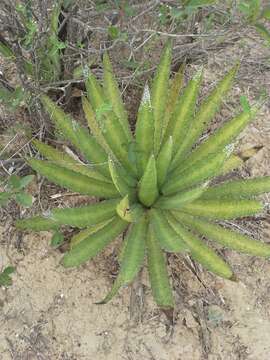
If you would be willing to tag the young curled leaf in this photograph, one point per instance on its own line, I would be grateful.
(148, 187)
(129, 212)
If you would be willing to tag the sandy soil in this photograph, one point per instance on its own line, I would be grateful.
(49, 313)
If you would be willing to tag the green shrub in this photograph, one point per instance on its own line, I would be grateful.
(154, 184)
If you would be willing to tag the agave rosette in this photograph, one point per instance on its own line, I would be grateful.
(154, 185)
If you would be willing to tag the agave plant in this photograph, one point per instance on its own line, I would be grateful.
(153, 185)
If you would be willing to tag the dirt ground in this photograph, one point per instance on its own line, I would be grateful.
(49, 313)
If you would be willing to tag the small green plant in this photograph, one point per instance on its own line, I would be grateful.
(5, 278)
(38, 57)
(154, 184)
(182, 11)
(15, 190)
(255, 14)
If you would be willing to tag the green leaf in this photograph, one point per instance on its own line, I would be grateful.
(118, 180)
(57, 239)
(114, 32)
(93, 244)
(201, 252)
(167, 237)
(85, 215)
(230, 239)
(244, 103)
(26, 180)
(37, 223)
(237, 189)
(148, 188)
(63, 159)
(24, 199)
(5, 197)
(144, 131)
(205, 114)
(225, 209)
(14, 182)
(224, 136)
(180, 199)
(202, 170)
(5, 279)
(130, 213)
(174, 90)
(132, 257)
(113, 94)
(159, 92)
(157, 269)
(163, 161)
(184, 111)
(82, 235)
(72, 180)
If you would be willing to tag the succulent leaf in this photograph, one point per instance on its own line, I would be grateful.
(231, 239)
(205, 114)
(184, 111)
(174, 90)
(163, 161)
(113, 94)
(144, 131)
(167, 237)
(73, 180)
(222, 137)
(67, 161)
(132, 257)
(157, 269)
(93, 124)
(83, 234)
(95, 92)
(129, 212)
(37, 223)
(148, 187)
(119, 182)
(94, 243)
(201, 252)
(85, 215)
(225, 209)
(238, 189)
(178, 200)
(202, 170)
(159, 92)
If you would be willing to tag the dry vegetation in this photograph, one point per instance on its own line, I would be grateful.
(49, 312)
